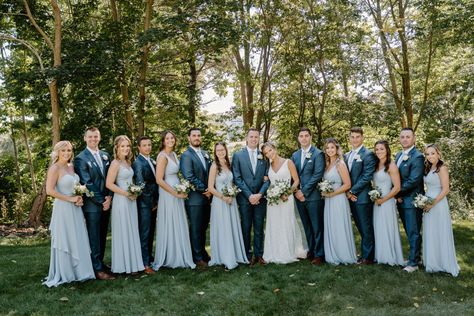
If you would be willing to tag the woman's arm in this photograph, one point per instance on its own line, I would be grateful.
(112, 176)
(212, 184)
(346, 179)
(444, 178)
(395, 176)
(51, 180)
(161, 163)
(294, 175)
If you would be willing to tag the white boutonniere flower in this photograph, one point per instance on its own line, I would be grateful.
(206, 156)
(405, 157)
(357, 158)
(90, 164)
(259, 156)
(104, 157)
(153, 161)
(308, 155)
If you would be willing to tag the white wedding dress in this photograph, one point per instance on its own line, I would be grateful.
(283, 242)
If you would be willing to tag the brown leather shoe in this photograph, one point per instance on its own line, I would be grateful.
(261, 261)
(201, 264)
(101, 275)
(366, 262)
(317, 261)
(149, 270)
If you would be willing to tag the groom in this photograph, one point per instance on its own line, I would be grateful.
(310, 164)
(194, 165)
(250, 175)
(410, 162)
(144, 169)
(361, 163)
(92, 165)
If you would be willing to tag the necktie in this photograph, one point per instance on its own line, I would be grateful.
(99, 161)
(351, 159)
(303, 157)
(151, 165)
(400, 159)
(201, 157)
(253, 160)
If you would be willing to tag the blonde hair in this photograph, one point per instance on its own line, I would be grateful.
(60, 145)
(117, 141)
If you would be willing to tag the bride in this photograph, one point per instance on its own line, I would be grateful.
(283, 242)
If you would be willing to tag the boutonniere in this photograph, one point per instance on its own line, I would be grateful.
(90, 164)
(206, 156)
(357, 158)
(259, 157)
(405, 157)
(104, 157)
(153, 161)
(308, 155)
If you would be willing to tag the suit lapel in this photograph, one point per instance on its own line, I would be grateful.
(145, 162)
(196, 157)
(247, 159)
(305, 161)
(298, 160)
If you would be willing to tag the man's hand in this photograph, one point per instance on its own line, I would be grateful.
(106, 204)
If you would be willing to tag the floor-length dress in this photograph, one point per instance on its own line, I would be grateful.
(283, 242)
(339, 246)
(173, 247)
(439, 254)
(388, 246)
(70, 251)
(126, 249)
(227, 243)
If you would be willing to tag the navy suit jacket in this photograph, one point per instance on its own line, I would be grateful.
(193, 170)
(411, 176)
(362, 173)
(143, 174)
(244, 177)
(311, 173)
(90, 175)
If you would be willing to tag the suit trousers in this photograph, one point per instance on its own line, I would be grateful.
(198, 216)
(97, 227)
(253, 215)
(363, 215)
(312, 217)
(412, 219)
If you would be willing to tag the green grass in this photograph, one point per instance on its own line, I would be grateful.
(274, 289)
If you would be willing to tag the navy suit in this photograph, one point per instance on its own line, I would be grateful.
(197, 204)
(312, 209)
(362, 173)
(251, 183)
(411, 176)
(146, 205)
(97, 220)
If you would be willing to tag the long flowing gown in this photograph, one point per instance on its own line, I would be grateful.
(439, 254)
(173, 247)
(227, 243)
(283, 243)
(339, 246)
(126, 249)
(70, 250)
(388, 246)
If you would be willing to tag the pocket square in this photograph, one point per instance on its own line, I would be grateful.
(90, 164)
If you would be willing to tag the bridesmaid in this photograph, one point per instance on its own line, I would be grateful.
(173, 247)
(388, 246)
(126, 248)
(339, 246)
(227, 243)
(439, 254)
(70, 251)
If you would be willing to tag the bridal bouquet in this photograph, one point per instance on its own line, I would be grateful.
(277, 190)
(375, 194)
(325, 186)
(81, 190)
(421, 201)
(184, 186)
(135, 189)
(230, 190)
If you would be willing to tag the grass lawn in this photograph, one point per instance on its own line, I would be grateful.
(297, 288)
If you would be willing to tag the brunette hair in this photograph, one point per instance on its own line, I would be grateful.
(428, 164)
(268, 144)
(389, 154)
(338, 148)
(357, 129)
(91, 129)
(193, 129)
(227, 160)
(139, 140)
(60, 145)
(117, 141)
(163, 136)
(304, 129)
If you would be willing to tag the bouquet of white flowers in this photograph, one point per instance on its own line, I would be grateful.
(230, 190)
(184, 186)
(375, 194)
(325, 186)
(421, 201)
(277, 190)
(135, 189)
(81, 190)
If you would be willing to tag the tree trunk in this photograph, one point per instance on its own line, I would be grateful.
(15, 152)
(192, 90)
(28, 151)
(34, 218)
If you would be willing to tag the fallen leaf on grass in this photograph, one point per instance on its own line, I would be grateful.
(416, 305)
(416, 298)
(200, 293)
(276, 290)
(435, 289)
(144, 276)
(64, 299)
(311, 284)
(292, 275)
(350, 307)
(72, 288)
(14, 261)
